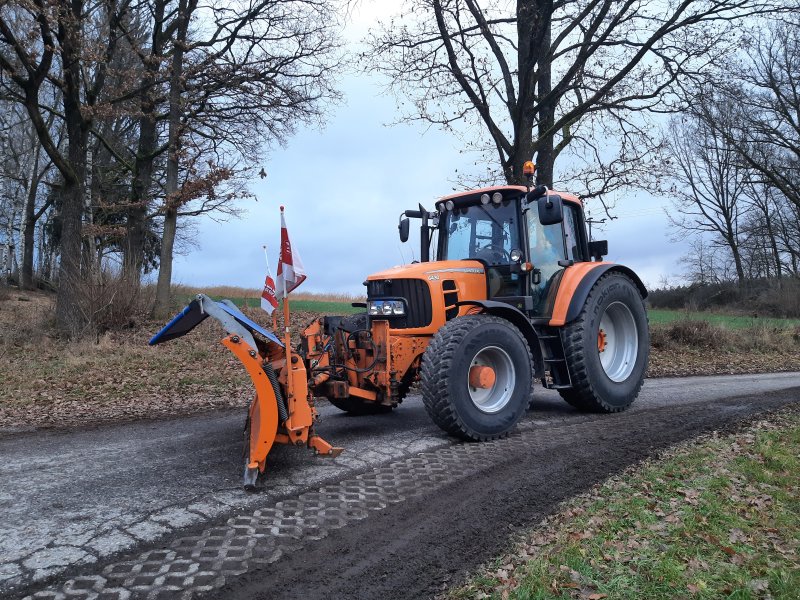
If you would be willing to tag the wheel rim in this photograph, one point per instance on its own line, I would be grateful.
(495, 397)
(618, 341)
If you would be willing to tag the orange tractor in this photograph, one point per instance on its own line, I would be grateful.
(509, 290)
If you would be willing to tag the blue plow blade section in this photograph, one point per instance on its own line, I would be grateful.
(224, 311)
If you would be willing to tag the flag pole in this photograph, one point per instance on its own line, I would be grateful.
(287, 336)
(274, 314)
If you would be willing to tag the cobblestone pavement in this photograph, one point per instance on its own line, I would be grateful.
(390, 460)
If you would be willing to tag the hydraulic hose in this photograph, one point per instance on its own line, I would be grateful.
(283, 413)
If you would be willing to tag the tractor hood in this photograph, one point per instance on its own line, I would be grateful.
(431, 291)
(431, 271)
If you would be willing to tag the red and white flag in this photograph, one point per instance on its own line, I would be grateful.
(269, 301)
(290, 268)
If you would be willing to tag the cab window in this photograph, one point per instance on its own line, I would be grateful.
(486, 232)
(573, 240)
(546, 249)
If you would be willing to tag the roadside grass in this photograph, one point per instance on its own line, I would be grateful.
(45, 381)
(663, 317)
(715, 518)
(693, 347)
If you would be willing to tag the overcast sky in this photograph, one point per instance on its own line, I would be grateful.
(344, 187)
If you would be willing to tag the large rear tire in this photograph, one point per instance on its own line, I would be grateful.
(607, 347)
(488, 410)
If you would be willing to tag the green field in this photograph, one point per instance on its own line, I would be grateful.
(657, 316)
(662, 317)
(327, 307)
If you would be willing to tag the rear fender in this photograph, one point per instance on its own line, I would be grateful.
(520, 321)
(263, 415)
(577, 282)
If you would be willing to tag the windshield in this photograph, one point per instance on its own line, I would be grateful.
(486, 232)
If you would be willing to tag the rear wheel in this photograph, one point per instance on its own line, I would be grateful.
(607, 347)
(477, 377)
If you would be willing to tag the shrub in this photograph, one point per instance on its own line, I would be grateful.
(696, 333)
(762, 297)
(110, 302)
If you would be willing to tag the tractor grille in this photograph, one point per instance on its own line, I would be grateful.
(415, 292)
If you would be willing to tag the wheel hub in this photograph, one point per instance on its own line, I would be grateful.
(482, 377)
(491, 379)
(618, 341)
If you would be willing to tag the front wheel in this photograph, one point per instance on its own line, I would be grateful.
(607, 347)
(477, 377)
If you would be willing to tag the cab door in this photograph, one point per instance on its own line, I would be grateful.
(551, 249)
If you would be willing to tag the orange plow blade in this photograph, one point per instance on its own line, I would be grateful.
(262, 421)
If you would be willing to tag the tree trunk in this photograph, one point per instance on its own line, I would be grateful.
(737, 261)
(776, 255)
(136, 226)
(70, 316)
(173, 165)
(534, 81)
(29, 224)
(165, 265)
(69, 312)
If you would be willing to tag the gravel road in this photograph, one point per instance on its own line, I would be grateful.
(155, 508)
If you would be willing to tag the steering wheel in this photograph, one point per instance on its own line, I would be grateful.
(493, 254)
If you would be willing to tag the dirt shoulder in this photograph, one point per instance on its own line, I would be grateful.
(118, 377)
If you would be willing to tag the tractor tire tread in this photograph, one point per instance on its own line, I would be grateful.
(435, 369)
(583, 395)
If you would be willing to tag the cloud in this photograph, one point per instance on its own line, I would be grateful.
(344, 188)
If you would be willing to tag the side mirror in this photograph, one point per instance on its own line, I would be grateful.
(403, 229)
(598, 249)
(551, 209)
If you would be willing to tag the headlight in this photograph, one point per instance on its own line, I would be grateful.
(386, 308)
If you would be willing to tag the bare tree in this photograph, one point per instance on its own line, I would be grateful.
(765, 86)
(174, 100)
(753, 112)
(68, 46)
(23, 167)
(546, 78)
(232, 94)
(711, 183)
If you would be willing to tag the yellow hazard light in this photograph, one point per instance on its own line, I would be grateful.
(528, 168)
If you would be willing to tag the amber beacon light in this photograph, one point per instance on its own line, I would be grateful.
(528, 168)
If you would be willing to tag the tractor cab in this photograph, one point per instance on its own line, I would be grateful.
(525, 239)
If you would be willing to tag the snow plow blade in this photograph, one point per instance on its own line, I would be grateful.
(283, 409)
(224, 311)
